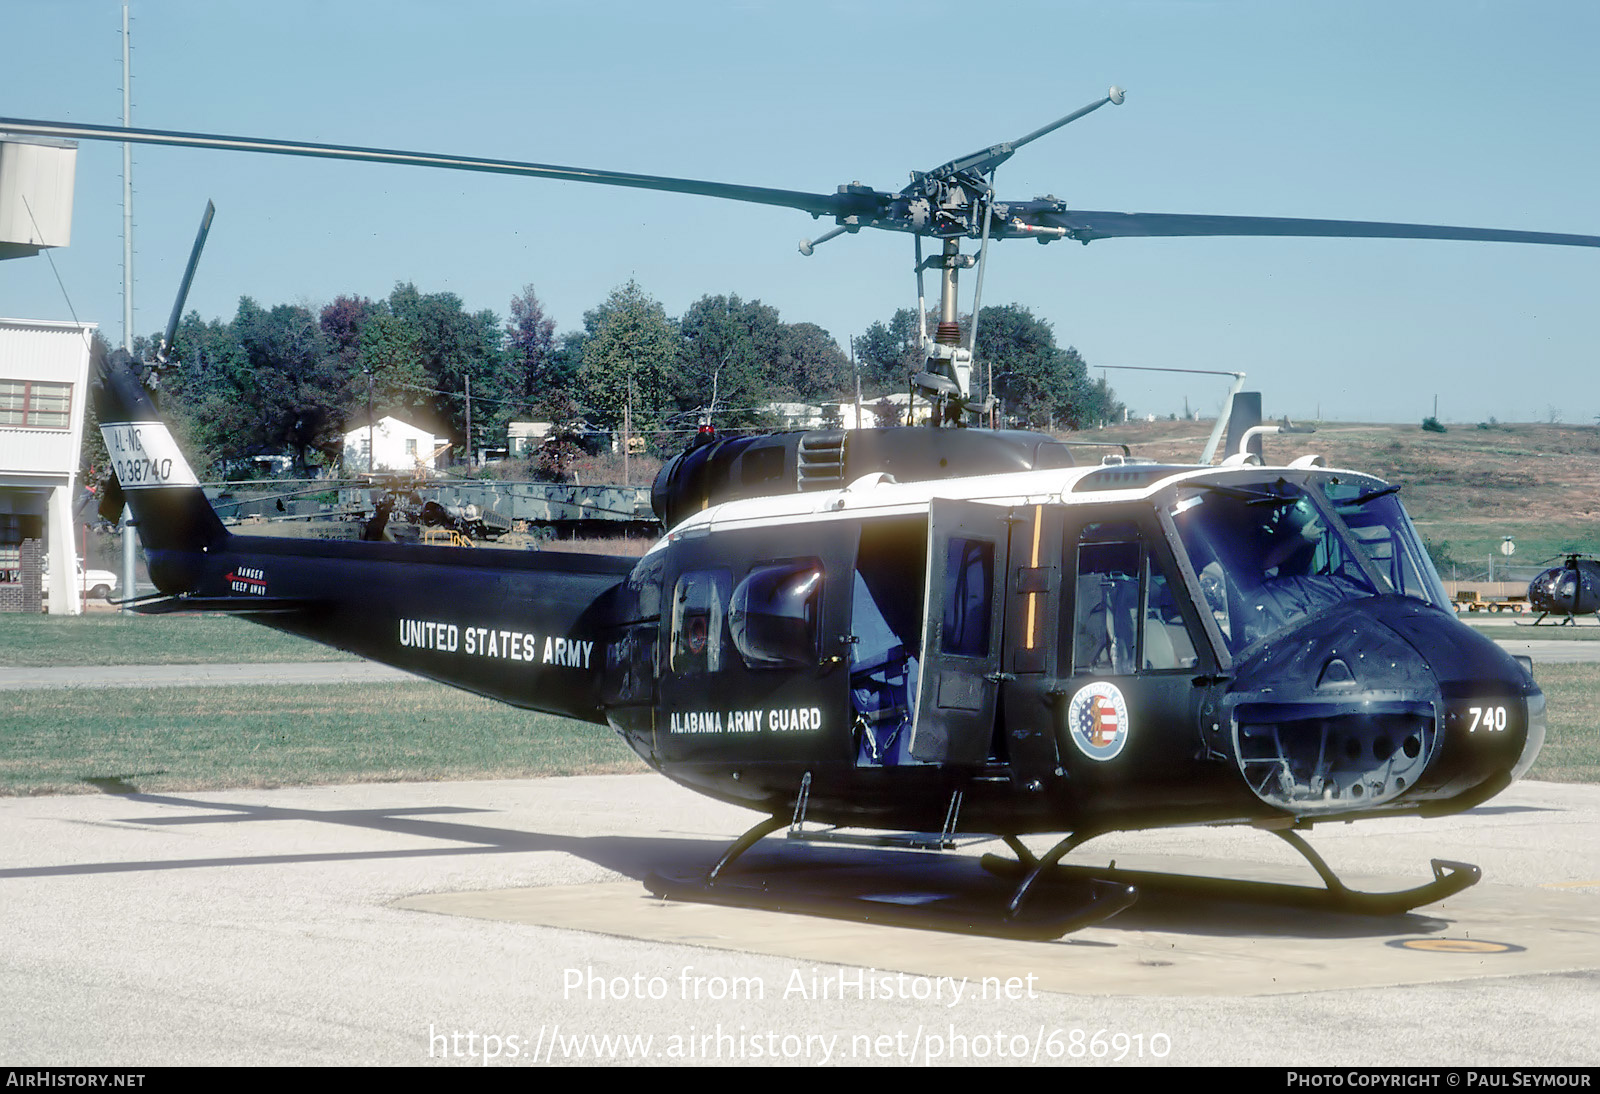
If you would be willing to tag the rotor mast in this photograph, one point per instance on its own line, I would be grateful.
(959, 201)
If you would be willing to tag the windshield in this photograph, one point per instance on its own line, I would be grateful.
(1266, 555)
(1379, 525)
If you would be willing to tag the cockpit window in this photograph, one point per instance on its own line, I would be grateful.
(699, 621)
(1125, 616)
(1380, 527)
(1266, 556)
(1106, 620)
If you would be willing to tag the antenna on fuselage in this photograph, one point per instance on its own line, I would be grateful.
(1223, 417)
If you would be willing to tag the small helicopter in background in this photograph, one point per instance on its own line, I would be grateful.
(1569, 590)
(927, 633)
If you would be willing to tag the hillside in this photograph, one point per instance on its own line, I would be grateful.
(1466, 489)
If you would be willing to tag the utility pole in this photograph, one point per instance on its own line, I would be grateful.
(368, 371)
(855, 374)
(129, 591)
(469, 424)
(627, 425)
(127, 190)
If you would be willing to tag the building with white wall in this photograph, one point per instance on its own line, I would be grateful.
(44, 373)
(524, 438)
(36, 180)
(396, 445)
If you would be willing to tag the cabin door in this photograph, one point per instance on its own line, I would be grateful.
(963, 633)
(1127, 707)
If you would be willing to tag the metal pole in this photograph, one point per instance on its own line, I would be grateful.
(127, 190)
(948, 285)
(129, 539)
(129, 559)
(855, 374)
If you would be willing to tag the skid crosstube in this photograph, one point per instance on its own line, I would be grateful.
(789, 892)
(960, 913)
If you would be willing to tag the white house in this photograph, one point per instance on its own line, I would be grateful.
(389, 445)
(824, 415)
(523, 438)
(44, 372)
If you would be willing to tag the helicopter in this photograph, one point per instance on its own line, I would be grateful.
(932, 633)
(1569, 590)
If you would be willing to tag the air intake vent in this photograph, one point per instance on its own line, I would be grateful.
(822, 459)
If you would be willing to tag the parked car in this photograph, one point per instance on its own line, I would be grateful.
(100, 584)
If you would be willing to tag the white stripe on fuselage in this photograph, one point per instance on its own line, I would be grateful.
(876, 496)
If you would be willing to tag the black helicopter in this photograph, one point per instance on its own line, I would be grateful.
(1569, 590)
(942, 631)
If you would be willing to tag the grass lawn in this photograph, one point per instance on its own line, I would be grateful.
(128, 739)
(115, 638)
(1572, 746)
(1586, 631)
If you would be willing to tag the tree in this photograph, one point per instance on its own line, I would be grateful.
(888, 353)
(1040, 383)
(629, 355)
(729, 356)
(743, 354)
(566, 361)
(391, 353)
(1100, 405)
(810, 364)
(342, 323)
(454, 347)
(300, 390)
(205, 395)
(541, 377)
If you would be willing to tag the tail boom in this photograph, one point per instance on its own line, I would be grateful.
(521, 627)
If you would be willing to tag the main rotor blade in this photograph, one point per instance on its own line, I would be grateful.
(1086, 225)
(816, 204)
(988, 159)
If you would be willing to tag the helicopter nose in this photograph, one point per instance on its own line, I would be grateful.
(1493, 712)
(1379, 703)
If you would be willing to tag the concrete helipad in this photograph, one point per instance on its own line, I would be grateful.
(1162, 948)
(454, 922)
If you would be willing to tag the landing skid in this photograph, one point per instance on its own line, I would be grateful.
(957, 912)
(1449, 878)
(1564, 621)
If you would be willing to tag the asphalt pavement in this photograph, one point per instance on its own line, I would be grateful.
(506, 923)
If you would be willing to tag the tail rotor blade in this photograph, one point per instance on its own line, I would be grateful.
(183, 289)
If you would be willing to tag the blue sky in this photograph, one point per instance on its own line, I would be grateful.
(1478, 114)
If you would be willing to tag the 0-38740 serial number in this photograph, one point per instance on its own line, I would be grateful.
(142, 469)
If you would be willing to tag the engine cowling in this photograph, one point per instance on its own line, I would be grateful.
(718, 469)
